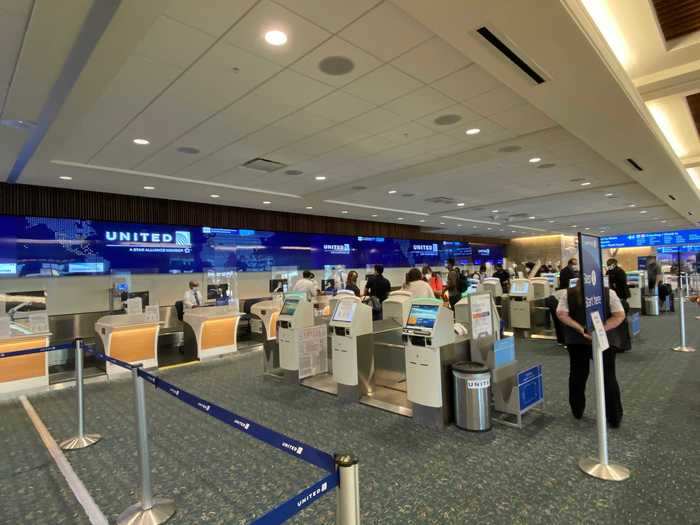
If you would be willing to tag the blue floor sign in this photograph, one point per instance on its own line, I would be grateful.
(530, 387)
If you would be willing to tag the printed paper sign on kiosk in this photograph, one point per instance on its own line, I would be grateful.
(600, 334)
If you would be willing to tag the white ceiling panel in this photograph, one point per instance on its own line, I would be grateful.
(293, 89)
(336, 47)
(339, 106)
(467, 83)
(174, 43)
(302, 35)
(12, 26)
(376, 121)
(386, 32)
(495, 101)
(407, 133)
(382, 85)
(523, 119)
(431, 60)
(223, 160)
(11, 142)
(211, 16)
(332, 15)
(419, 103)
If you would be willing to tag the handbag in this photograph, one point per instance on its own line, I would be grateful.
(619, 337)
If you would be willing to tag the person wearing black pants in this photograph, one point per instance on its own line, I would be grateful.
(572, 313)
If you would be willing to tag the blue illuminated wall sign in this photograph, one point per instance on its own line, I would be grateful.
(39, 246)
(633, 240)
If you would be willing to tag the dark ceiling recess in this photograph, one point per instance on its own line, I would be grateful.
(694, 105)
(634, 164)
(510, 54)
(677, 17)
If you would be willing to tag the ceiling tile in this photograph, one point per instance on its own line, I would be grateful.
(467, 83)
(431, 60)
(336, 48)
(419, 103)
(376, 121)
(212, 16)
(11, 33)
(173, 42)
(332, 15)
(386, 32)
(495, 101)
(523, 119)
(407, 133)
(382, 85)
(16, 7)
(292, 89)
(466, 116)
(339, 106)
(302, 35)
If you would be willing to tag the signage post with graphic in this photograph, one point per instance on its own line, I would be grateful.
(591, 277)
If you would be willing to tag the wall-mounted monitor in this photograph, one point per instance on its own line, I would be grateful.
(422, 315)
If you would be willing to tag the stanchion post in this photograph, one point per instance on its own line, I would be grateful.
(601, 468)
(81, 440)
(348, 496)
(681, 306)
(150, 510)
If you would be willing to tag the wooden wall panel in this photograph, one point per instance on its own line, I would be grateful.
(22, 199)
(677, 17)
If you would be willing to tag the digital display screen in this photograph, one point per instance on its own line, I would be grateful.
(422, 315)
(519, 287)
(573, 282)
(651, 239)
(289, 307)
(551, 277)
(344, 311)
(41, 246)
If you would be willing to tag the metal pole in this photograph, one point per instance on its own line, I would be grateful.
(601, 468)
(348, 497)
(150, 510)
(681, 304)
(82, 440)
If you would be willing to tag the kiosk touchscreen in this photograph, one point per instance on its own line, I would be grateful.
(431, 348)
(295, 315)
(351, 341)
(491, 285)
(520, 294)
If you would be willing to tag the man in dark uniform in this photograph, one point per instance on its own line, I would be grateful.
(568, 273)
(617, 280)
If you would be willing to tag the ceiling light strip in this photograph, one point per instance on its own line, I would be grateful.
(369, 207)
(528, 228)
(171, 178)
(470, 220)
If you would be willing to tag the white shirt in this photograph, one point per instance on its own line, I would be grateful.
(193, 298)
(420, 289)
(615, 304)
(306, 285)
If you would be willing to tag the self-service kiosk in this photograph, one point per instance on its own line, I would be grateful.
(296, 314)
(528, 307)
(351, 341)
(520, 296)
(636, 282)
(491, 285)
(397, 306)
(431, 348)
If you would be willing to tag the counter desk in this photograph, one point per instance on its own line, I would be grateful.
(214, 329)
(23, 372)
(128, 337)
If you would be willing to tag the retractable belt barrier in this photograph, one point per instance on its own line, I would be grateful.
(66, 346)
(293, 447)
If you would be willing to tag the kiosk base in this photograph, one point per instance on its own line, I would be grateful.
(429, 416)
(290, 376)
(394, 401)
(322, 382)
(348, 393)
(594, 468)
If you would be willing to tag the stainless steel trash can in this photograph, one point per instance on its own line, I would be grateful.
(472, 396)
(651, 305)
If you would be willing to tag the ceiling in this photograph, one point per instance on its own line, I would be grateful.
(379, 137)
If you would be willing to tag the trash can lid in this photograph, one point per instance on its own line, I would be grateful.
(470, 367)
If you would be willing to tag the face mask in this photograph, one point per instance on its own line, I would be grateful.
(611, 267)
(428, 275)
(575, 267)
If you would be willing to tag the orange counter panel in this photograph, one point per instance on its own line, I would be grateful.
(24, 366)
(133, 344)
(273, 325)
(219, 332)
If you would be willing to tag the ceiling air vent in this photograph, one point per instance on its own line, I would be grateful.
(263, 165)
(511, 55)
(635, 165)
(440, 200)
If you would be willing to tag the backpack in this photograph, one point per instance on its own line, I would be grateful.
(463, 282)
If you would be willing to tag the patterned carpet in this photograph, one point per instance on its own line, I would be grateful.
(409, 475)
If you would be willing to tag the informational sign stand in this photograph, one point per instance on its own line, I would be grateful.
(683, 347)
(592, 275)
(521, 394)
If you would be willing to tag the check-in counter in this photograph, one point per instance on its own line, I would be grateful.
(27, 371)
(214, 330)
(129, 337)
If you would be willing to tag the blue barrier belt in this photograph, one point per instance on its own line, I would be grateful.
(294, 505)
(28, 351)
(295, 448)
(105, 357)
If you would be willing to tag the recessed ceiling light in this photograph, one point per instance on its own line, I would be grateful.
(489, 229)
(534, 160)
(643, 211)
(551, 222)
(142, 142)
(267, 202)
(586, 228)
(276, 37)
(609, 195)
(374, 215)
(532, 217)
(585, 183)
(422, 220)
(391, 192)
(513, 231)
(573, 226)
(495, 211)
(149, 187)
(473, 131)
(309, 207)
(664, 221)
(442, 223)
(399, 218)
(65, 177)
(214, 196)
(631, 205)
(460, 204)
(320, 177)
(344, 211)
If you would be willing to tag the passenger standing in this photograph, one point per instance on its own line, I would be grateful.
(307, 285)
(572, 313)
(416, 285)
(433, 279)
(377, 289)
(504, 276)
(617, 281)
(452, 290)
(568, 273)
(351, 283)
